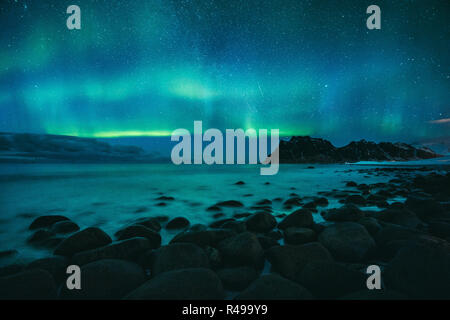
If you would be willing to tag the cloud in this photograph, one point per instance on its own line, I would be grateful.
(440, 121)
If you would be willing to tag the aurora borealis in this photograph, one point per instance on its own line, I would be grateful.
(140, 68)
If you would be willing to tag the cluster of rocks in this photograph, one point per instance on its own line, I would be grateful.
(230, 257)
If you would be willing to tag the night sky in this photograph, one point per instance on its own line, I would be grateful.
(148, 67)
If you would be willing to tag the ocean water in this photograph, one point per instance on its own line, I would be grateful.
(113, 195)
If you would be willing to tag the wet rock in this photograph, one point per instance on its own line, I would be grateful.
(293, 202)
(267, 242)
(420, 270)
(203, 238)
(86, 239)
(56, 266)
(184, 284)
(371, 225)
(243, 249)
(330, 280)
(237, 279)
(179, 256)
(11, 269)
(46, 221)
(134, 231)
(236, 226)
(39, 236)
(391, 232)
(403, 217)
(165, 198)
(264, 202)
(301, 218)
(230, 203)
(351, 184)
(151, 223)
(8, 253)
(240, 183)
(299, 235)
(28, 285)
(289, 260)
(322, 202)
(64, 227)
(220, 223)
(129, 249)
(440, 229)
(177, 223)
(425, 208)
(213, 208)
(106, 279)
(261, 222)
(347, 241)
(214, 257)
(355, 199)
(348, 212)
(274, 287)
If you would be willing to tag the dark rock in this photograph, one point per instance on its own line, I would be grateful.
(261, 222)
(391, 232)
(220, 223)
(129, 249)
(11, 269)
(351, 184)
(28, 285)
(213, 208)
(348, 212)
(267, 242)
(236, 226)
(323, 202)
(264, 202)
(299, 235)
(151, 223)
(46, 221)
(330, 280)
(230, 203)
(179, 256)
(56, 266)
(237, 279)
(274, 287)
(177, 223)
(134, 231)
(420, 270)
(243, 249)
(86, 239)
(203, 238)
(106, 279)
(184, 284)
(214, 257)
(440, 229)
(371, 225)
(425, 208)
(240, 183)
(301, 218)
(64, 227)
(347, 241)
(165, 198)
(290, 260)
(403, 217)
(39, 236)
(355, 199)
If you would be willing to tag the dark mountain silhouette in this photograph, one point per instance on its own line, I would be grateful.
(304, 149)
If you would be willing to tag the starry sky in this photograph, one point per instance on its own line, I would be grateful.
(306, 67)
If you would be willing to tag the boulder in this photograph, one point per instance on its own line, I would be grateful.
(330, 280)
(203, 238)
(139, 231)
(349, 212)
(371, 225)
(237, 279)
(420, 269)
(347, 241)
(46, 221)
(178, 223)
(64, 227)
(56, 266)
(106, 279)
(86, 239)
(402, 217)
(243, 249)
(261, 222)
(274, 287)
(34, 284)
(183, 284)
(129, 249)
(301, 218)
(178, 256)
(299, 235)
(289, 260)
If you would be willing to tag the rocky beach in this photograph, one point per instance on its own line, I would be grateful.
(245, 239)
